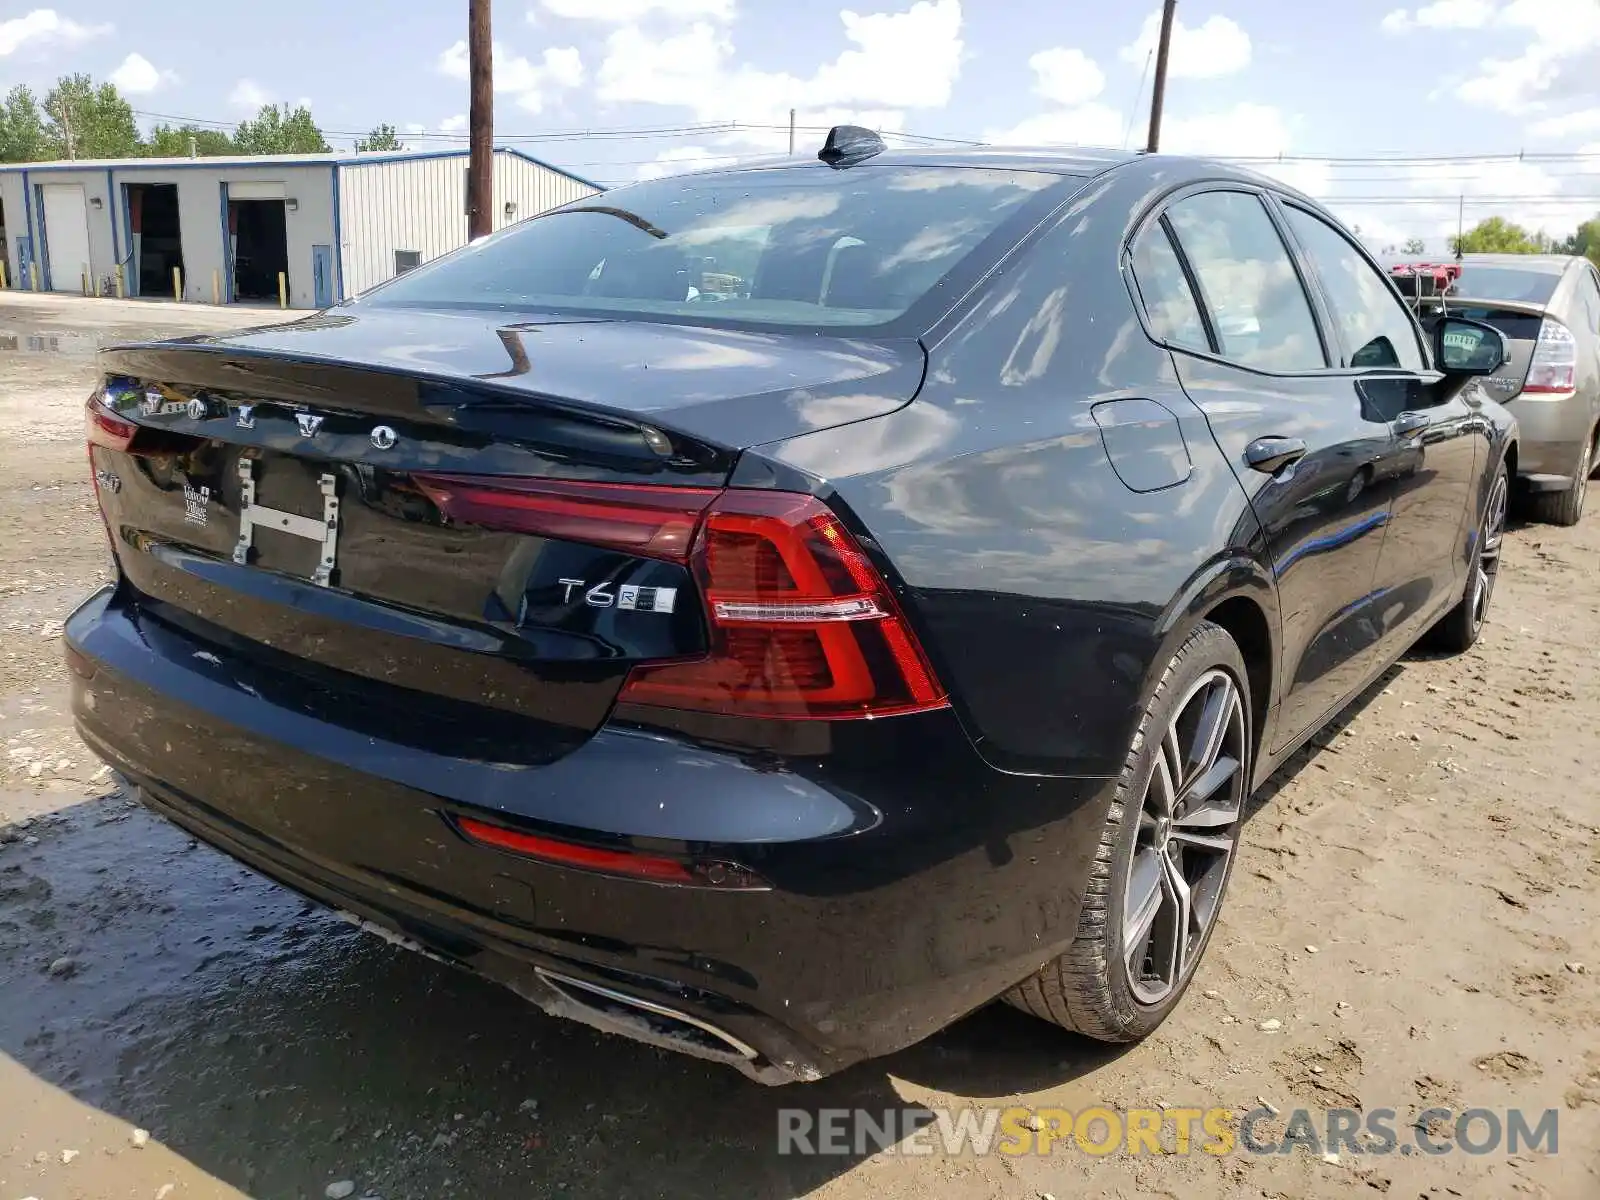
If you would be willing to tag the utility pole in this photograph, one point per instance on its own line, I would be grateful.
(1461, 223)
(1158, 91)
(480, 71)
(791, 133)
(66, 127)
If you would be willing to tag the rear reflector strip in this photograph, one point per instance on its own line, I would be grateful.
(655, 868)
(643, 519)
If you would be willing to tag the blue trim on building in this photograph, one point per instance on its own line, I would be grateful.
(111, 211)
(44, 242)
(539, 162)
(131, 280)
(225, 163)
(27, 206)
(227, 248)
(338, 241)
(377, 160)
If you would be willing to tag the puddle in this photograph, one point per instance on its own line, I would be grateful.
(78, 345)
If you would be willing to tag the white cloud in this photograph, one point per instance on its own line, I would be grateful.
(1066, 75)
(455, 124)
(1560, 57)
(1442, 14)
(248, 94)
(137, 76)
(45, 26)
(559, 67)
(684, 158)
(1215, 47)
(893, 62)
(1084, 125)
(624, 12)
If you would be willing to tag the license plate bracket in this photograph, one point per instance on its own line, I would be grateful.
(324, 530)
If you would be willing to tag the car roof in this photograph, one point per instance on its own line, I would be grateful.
(1537, 264)
(1080, 161)
(1073, 160)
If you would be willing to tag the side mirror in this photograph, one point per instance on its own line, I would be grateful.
(1466, 347)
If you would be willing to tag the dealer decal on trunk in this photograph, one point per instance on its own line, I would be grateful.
(196, 504)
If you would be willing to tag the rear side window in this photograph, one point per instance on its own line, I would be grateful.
(1168, 300)
(1377, 329)
(1248, 282)
(1589, 300)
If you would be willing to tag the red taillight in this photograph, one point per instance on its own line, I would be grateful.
(656, 868)
(1554, 367)
(105, 428)
(801, 622)
(655, 522)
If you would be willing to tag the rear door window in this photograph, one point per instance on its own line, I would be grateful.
(1168, 300)
(1377, 329)
(1248, 282)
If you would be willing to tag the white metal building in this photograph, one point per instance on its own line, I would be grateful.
(224, 230)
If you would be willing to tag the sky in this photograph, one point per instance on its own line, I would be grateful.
(1390, 114)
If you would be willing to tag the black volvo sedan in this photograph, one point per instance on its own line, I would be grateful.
(773, 612)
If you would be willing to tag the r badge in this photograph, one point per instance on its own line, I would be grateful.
(647, 599)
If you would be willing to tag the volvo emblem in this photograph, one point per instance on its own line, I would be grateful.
(384, 438)
(198, 409)
(309, 424)
(247, 416)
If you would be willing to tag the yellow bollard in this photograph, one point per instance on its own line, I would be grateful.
(3, 283)
(216, 287)
(283, 290)
(33, 270)
(177, 284)
(86, 283)
(121, 286)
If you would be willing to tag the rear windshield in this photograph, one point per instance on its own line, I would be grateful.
(1506, 283)
(802, 247)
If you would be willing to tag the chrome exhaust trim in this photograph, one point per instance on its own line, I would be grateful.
(567, 986)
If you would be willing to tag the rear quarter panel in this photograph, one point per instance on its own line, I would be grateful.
(1048, 591)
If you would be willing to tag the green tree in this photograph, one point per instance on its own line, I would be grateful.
(280, 130)
(381, 138)
(1496, 235)
(1412, 246)
(88, 120)
(1586, 241)
(22, 136)
(169, 141)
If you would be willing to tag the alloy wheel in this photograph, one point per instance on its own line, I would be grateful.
(1188, 828)
(1488, 567)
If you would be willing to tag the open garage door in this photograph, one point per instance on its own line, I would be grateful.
(66, 236)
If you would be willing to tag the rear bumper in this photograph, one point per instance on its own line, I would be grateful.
(1552, 433)
(911, 881)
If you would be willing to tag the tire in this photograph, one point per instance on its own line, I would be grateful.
(1564, 508)
(1091, 988)
(1461, 626)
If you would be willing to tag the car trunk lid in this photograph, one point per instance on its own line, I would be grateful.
(370, 504)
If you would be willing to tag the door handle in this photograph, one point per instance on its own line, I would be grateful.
(1410, 422)
(1272, 454)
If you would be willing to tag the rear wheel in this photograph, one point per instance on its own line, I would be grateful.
(1165, 854)
(1461, 627)
(1565, 508)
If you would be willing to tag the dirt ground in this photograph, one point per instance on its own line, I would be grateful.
(1415, 921)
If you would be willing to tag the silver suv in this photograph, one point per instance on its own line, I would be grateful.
(1548, 308)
